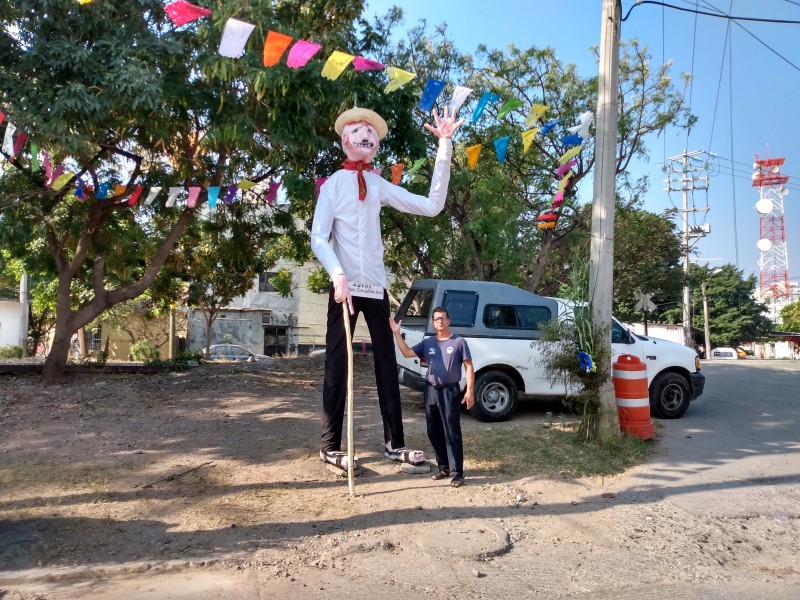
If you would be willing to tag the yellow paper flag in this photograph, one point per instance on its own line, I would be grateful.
(562, 185)
(527, 138)
(397, 79)
(84, 1)
(472, 155)
(572, 152)
(246, 184)
(535, 113)
(336, 64)
(61, 181)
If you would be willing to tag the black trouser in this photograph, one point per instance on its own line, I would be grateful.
(443, 415)
(334, 390)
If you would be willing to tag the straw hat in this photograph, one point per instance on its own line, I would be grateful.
(362, 114)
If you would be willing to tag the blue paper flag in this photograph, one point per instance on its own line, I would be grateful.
(432, 90)
(213, 193)
(571, 140)
(501, 146)
(79, 190)
(585, 363)
(482, 103)
(102, 191)
(547, 127)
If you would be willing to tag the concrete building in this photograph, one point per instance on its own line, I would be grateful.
(264, 322)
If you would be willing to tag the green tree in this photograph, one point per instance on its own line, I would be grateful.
(734, 315)
(488, 230)
(790, 315)
(121, 97)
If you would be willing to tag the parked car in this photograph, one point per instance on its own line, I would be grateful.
(233, 352)
(502, 326)
(725, 354)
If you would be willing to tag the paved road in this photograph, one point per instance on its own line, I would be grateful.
(736, 452)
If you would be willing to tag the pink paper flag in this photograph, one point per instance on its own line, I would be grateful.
(181, 13)
(560, 171)
(2, 116)
(301, 53)
(319, 181)
(365, 64)
(22, 137)
(54, 176)
(558, 199)
(273, 191)
(194, 192)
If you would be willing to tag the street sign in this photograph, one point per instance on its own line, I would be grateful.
(644, 304)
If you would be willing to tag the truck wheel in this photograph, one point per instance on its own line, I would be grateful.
(669, 396)
(495, 397)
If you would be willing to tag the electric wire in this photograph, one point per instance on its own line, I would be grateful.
(730, 116)
(710, 14)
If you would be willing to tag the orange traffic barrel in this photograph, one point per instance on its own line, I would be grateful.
(633, 400)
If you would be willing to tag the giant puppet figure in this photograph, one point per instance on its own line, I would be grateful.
(346, 237)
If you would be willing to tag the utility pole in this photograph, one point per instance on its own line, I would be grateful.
(707, 352)
(601, 269)
(685, 174)
(23, 299)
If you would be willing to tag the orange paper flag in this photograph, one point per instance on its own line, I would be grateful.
(397, 173)
(472, 155)
(274, 47)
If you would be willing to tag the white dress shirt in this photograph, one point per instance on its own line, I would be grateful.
(346, 231)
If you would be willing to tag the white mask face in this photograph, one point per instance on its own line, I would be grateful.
(360, 141)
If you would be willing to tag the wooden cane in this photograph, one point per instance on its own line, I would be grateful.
(351, 484)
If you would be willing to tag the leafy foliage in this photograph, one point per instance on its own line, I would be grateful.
(569, 336)
(790, 316)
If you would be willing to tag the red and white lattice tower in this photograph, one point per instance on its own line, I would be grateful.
(773, 260)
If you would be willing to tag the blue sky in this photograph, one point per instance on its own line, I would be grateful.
(744, 110)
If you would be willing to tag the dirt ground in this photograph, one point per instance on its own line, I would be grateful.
(212, 475)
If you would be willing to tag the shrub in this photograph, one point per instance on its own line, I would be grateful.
(143, 351)
(10, 351)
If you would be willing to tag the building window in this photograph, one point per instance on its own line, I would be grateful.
(263, 282)
(94, 341)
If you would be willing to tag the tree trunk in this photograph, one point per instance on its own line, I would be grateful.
(53, 368)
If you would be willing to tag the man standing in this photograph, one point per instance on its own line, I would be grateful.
(445, 353)
(346, 238)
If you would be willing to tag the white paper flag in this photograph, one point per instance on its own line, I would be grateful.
(460, 94)
(152, 195)
(173, 195)
(234, 38)
(8, 140)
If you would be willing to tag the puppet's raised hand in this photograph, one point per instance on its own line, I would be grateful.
(446, 126)
(341, 291)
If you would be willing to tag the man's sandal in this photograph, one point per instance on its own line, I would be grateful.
(457, 481)
(337, 459)
(440, 475)
(412, 457)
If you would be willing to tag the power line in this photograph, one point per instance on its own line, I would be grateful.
(718, 15)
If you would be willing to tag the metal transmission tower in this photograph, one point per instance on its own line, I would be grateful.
(773, 261)
(686, 173)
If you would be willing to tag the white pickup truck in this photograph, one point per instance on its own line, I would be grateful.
(502, 326)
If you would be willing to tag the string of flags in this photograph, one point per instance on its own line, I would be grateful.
(235, 36)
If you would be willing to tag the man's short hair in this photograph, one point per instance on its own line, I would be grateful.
(441, 309)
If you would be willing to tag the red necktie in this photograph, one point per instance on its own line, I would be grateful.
(360, 166)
